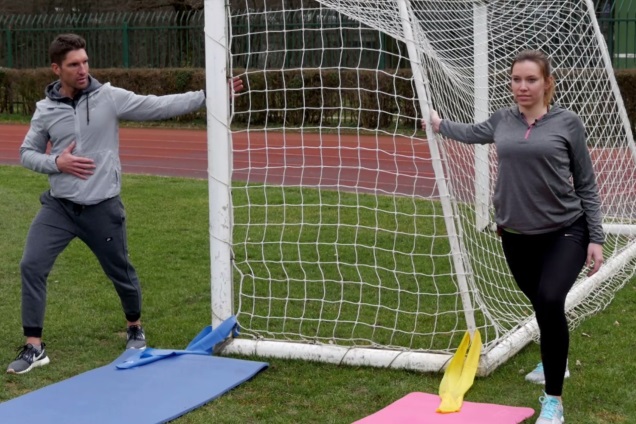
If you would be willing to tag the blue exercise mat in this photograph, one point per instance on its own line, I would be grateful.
(153, 391)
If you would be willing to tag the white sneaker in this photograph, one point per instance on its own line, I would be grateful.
(551, 410)
(537, 375)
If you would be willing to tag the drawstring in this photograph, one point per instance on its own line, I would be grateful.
(88, 118)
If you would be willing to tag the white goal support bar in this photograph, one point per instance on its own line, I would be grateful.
(444, 196)
(219, 160)
(620, 229)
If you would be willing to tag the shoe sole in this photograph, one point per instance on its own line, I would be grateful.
(36, 364)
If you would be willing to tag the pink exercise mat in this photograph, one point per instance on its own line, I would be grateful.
(419, 408)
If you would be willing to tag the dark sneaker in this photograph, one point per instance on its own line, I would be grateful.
(135, 337)
(29, 357)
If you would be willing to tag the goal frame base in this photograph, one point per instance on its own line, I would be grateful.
(417, 360)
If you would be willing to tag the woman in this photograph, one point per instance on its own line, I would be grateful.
(548, 209)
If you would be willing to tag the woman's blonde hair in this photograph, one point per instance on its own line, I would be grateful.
(543, 61)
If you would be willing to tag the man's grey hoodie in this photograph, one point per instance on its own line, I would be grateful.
(91, 119)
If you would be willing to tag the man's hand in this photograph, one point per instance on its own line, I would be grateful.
(77, 166)
(236, 86)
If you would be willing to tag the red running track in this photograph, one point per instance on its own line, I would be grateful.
(386, 165)
(354, 163)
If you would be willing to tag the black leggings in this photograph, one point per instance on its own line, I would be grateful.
(545, 267)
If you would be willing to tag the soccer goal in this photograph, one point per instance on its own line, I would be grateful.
(340, 232)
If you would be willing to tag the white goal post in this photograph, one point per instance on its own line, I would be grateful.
(339, 231)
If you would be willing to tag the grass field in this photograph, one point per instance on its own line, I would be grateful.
(168, 241)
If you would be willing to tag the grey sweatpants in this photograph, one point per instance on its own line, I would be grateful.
(102, 227)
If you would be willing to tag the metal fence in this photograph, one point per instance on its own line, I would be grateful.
(174, 40)
(114, 40)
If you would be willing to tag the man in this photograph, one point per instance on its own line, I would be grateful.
(79, 118)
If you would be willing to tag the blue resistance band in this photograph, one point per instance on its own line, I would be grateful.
(202, 344)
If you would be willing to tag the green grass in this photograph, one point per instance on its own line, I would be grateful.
(11, 118)
(201, 124)
(168, 241)
(383, 249)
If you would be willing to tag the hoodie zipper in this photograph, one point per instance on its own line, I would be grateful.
(76, 103)
(529, 129)
(531, 126)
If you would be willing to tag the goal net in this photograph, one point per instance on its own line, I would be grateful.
(342, 232)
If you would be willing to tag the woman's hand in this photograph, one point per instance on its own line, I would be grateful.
(594, 257)
(435, 121)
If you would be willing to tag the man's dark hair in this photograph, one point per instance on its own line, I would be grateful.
(63, 44)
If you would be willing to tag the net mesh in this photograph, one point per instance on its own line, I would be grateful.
(339, 232)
